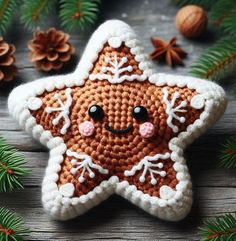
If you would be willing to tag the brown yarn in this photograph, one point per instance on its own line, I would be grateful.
(117, 152)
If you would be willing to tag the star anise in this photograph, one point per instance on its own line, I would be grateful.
(172, 53)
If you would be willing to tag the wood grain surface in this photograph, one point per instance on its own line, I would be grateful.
(117, 219)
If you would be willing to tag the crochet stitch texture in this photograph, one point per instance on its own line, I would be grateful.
(95, 154)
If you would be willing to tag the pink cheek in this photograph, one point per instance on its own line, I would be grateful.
(147, 130)
(86, 128)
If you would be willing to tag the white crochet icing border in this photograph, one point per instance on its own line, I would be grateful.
(172, 205)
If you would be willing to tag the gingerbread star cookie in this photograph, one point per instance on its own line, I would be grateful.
(116, 126)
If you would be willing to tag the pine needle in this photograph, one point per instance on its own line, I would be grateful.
(217, 60)
(228, 153)
(223, 14)
(78, 14)
(206, 4)
(7, 8)
(222, 228)
(11, 226)
(11, 168)
(34, 13)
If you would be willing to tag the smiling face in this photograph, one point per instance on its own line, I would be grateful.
(116, 114)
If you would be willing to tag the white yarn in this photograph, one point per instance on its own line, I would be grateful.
(148, 163)
(86, 164)
(171, 110)
(116, 68)
(64, 111)
(173, 204)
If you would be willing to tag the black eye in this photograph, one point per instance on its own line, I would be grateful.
(96, 112)
(140, 113)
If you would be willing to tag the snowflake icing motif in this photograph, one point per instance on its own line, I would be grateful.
(148, 163)
(171, 110)
(86, 164)
(64, 110)
(116, 68)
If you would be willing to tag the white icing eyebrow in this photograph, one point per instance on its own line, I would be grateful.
(86, 164)
(171, 110)
(116, 69)
(148, 163)
(34, 103)
(64, 110)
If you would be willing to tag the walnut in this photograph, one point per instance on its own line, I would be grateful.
(191, 21)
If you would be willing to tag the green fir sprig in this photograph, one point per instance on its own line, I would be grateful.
(78, 14)
(216, 61)
(220, 59)
(7, 9)
(11, 168)
(73, 14)
(222, 228)
(11, 226)
(228, 153)
(223, 15)
(34, 13)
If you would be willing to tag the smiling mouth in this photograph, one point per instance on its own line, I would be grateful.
(120, 131)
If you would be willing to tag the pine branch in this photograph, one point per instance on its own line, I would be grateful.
(217, 60)
(78, 13)
(7, 8)
(228, 153)
(223, 14)
(220, 228)
(206, 4)
(34, 13)
(11, 168)
(11, 226)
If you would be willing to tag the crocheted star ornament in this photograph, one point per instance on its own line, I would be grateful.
(116, 126)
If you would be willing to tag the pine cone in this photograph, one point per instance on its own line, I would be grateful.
(50, 49)
(7, 60)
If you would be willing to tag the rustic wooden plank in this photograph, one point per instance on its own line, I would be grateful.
(21, 140)
(118, 219)
(24, 142)
(226, 125)
(203, 168)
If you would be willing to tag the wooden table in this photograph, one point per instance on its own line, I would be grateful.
(117, 219)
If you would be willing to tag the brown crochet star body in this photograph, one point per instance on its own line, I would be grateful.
(117, 152)
(116, 126)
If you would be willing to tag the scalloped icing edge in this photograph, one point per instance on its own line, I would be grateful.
(63, 208)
